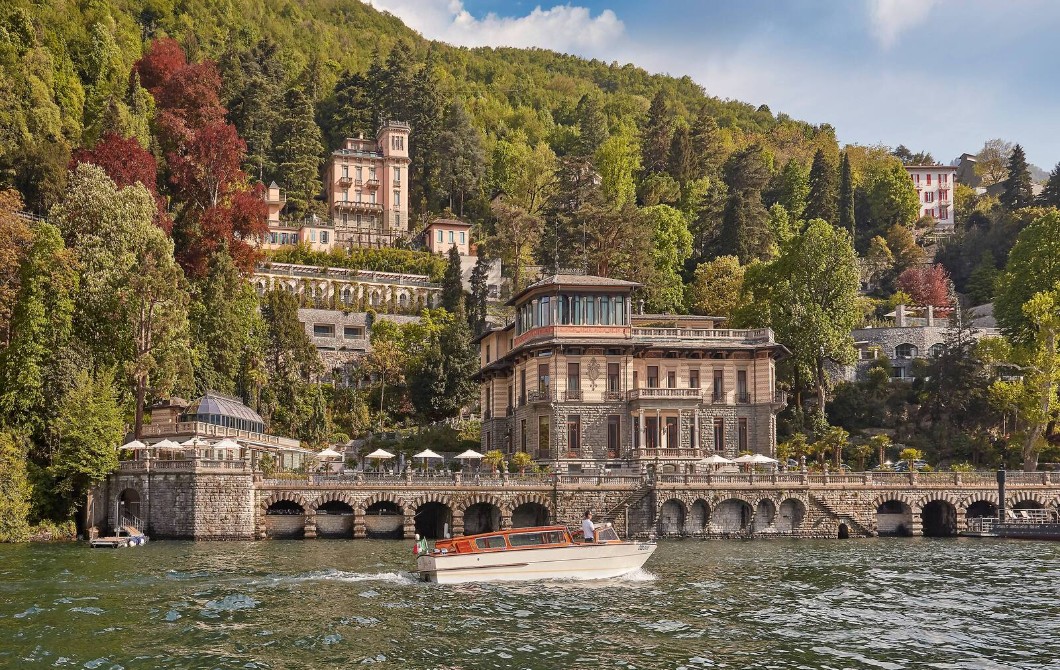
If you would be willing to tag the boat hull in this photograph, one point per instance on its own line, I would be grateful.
(582, 561)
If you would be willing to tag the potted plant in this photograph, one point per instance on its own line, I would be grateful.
(521, 460)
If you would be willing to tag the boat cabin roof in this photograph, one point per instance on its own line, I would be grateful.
(514, 538)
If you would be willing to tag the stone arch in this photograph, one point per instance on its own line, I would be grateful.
(732, 515)
(941, 496)
(129, 503)
(671, 517)
(333, 496)
(894, 514)
(528, 509)
(433, 515)
(383, 515)
(277, 496)
(478, 513)
(698, 517)
(980, 507)
(1028, 500)
(765, 515)
(938, 514)
(790, 515)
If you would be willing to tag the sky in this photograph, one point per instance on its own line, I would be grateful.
(941, 76)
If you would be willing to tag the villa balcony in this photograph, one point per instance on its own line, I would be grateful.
(726, 334)
(572, 395)
(344, 181)
(743, 398)
(358, 206)
(372, 183)
(539, 395)
(662, 393)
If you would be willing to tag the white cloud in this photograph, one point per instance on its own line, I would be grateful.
(562, 28)
(892, 17)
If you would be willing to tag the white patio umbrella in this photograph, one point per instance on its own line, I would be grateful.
(470, 453)
(166, 444)
(746, 458)
(228, 443)
(135, 445)
(761, 459)
(329, 453)
(195, 442)
(427, 453)
(380, 454)
(715, 459)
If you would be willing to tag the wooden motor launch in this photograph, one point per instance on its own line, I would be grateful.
(520, 554)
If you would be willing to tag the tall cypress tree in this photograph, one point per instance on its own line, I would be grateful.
(681, 159)
(299, 150)
(1050, 196)
(592, 124)
(706, 144)
(824, 194)
(846, 195)
(476, 313)
(452, 287)
(657, 134)
(745, 222)
(1017, 193)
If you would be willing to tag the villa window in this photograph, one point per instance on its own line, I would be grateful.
(574, 381)
(462, 237)
(937, 350)
(522, 434)
(612, 377)
(542, 378)
(323, 330)
(353, 333)
(742, 434)
(323, 237)
(574, 432)
(719, 385)
(672, 432)
(693, 379)
(397, 175)
(614, 434)
(441, 236)
(653, 376)
(543, 449)
(719, 434)
(671, 379)
(397, 198)
(905, 351)
(451, 237)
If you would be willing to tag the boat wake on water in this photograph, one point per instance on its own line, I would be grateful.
(335, 575)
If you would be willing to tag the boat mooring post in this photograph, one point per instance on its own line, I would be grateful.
(1001, 495)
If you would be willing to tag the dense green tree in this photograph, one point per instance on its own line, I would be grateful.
(1032, 396)
(517, 235)
(1017, 192)
(426, 113)
(616, 244)
(982, 280)
(793, 187)
(716, 287)
(616, 161)
(681, 160)
(592, 124)
(452, 284)
(1050, 195)
(707, 150)
(657, 133)
(671, 246)
(463, 158)
(745, 222)
(40, 328)
(992, 160)
(1033, 267)
(15, 489)
(90, 428)
(225, 329)
(823, 198)
(809, 296)
(440, 382)
(15, 240)
(299, 149)
(252, 91)
(477, 311)
(525, 175)
(846, 196)
(290, 360)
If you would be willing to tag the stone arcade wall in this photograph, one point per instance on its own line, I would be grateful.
(209, 503)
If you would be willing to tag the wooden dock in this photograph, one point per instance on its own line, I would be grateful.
(129, 536)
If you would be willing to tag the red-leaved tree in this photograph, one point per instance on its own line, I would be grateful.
(126, 163)
(927, 286)
(215, 207)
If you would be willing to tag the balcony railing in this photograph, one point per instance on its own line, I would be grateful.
(572, 394)
(356, 205)
(372, 183)
(743, 335)
(717, 398)
(539, 395)
(648, 393)
(743, 398)
(612, 396)
(344, 181)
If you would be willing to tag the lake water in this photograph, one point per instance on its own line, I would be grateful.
(887, 603)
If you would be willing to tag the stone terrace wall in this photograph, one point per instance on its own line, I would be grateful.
(217, 504)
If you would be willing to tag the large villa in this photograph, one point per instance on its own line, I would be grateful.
(578, 380)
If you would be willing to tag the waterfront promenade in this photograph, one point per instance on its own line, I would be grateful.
(207, 499)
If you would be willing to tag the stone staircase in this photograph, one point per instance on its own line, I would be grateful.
(843, 516)
(635, 497)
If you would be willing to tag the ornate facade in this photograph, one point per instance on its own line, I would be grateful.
(577, 380)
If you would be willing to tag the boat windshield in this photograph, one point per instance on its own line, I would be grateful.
(607, 534)
(533, 539)
(491, 542)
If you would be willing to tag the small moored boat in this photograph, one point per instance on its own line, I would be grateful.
(519, 554)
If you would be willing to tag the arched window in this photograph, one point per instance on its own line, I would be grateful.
(936, 350)
(905, 351)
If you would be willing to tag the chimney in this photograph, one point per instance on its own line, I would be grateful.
(931, 315)
(899, 316)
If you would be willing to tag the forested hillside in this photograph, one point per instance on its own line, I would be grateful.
(142, 134)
